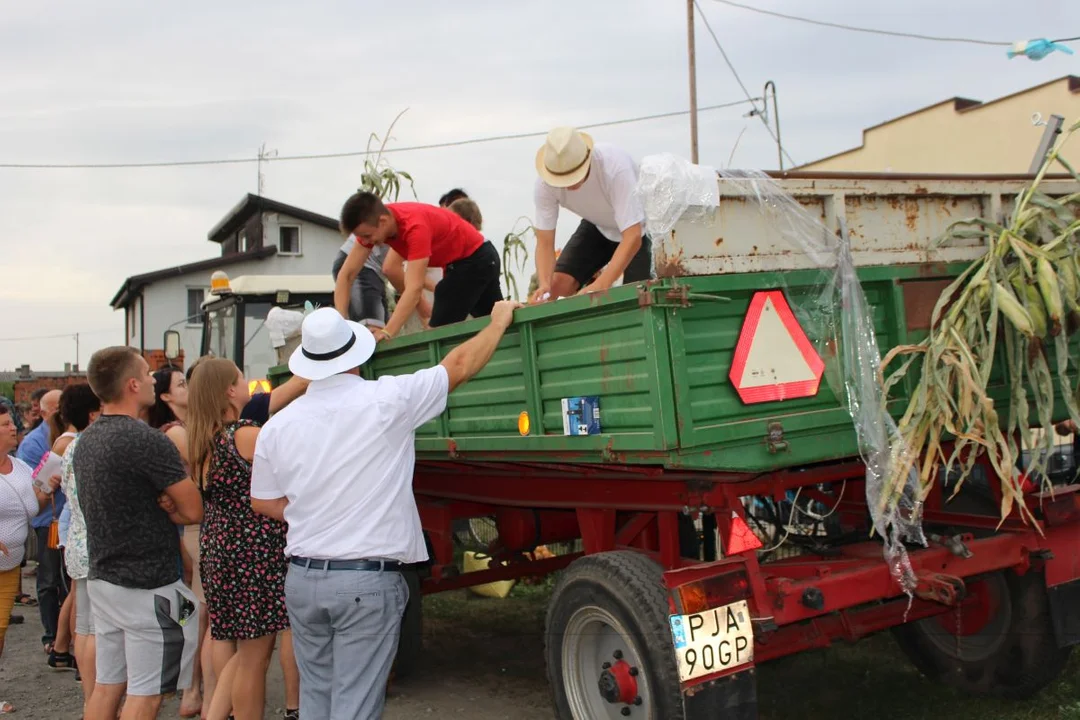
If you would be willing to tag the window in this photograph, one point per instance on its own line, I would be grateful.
(195, 297)
(289, 240)
(242, 244)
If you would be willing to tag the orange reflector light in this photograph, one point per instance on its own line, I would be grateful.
(523, 423)
(713, 592)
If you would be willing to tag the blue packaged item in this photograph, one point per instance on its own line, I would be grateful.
(581, 415)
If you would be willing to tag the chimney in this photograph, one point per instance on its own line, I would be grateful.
(24, 372)
(67, 368)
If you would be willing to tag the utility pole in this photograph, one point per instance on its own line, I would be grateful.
(76, 351)
(264, 156)
(691, 53)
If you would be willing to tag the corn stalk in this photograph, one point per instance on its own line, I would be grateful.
(379, 176)
(1024, 295)
(382, 179)
(515, 252)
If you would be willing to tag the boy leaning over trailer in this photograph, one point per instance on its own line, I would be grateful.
(422, 236)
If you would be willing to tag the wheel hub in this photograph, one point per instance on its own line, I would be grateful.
(618, 682)
(978, 626)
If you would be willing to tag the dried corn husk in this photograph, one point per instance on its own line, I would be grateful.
(1025, 292)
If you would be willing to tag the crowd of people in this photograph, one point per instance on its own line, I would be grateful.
(185, 528)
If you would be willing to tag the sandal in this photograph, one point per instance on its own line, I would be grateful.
(61, 661)
(25, 600)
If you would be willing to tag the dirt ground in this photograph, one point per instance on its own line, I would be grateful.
(488, 667)
(484, 661)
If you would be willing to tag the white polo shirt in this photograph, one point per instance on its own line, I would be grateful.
(18, 504)
(608, 199)
(343, 456)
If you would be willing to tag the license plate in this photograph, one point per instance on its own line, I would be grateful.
(711, 641)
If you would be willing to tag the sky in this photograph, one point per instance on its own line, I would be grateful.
(127, 81)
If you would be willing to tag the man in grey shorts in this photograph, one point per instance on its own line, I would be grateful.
(133, 491)
(337, 466)
(367, 297)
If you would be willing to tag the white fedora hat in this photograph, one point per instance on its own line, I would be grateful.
(565, 157)
(329, 345)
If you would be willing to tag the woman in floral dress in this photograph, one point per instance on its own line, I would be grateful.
(242, 553)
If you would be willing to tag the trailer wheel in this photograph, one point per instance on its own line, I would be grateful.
(410, 641)
(999, 642)
(608, 642)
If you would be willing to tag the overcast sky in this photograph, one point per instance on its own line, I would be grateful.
(113, 81)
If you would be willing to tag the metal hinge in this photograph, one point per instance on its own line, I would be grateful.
(774, 440)
(677, 296)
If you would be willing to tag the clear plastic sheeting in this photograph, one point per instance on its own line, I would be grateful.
(834, 311)
(673, 190)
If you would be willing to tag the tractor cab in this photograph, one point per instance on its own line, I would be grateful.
(234, 318)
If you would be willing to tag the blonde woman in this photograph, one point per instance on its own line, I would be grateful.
(242, 553)
(168, 415)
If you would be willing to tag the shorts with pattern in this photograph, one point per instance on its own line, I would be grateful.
(146, 638)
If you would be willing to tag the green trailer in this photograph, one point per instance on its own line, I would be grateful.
(657, 357)
(705, 491)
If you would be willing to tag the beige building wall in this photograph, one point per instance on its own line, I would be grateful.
(965, 136)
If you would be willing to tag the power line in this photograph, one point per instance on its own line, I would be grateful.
(60, 335)
(876, 31)
(749, 99)
(359, 153)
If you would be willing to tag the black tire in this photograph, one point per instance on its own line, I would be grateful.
(625, 588)
(1012, 657)
(411, 640)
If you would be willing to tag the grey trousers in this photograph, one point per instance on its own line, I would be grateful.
(345, 627)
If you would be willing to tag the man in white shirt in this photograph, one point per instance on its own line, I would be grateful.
(596, 182)
(337, 466)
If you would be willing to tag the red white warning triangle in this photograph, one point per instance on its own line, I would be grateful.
(774, 360)
(740, 538)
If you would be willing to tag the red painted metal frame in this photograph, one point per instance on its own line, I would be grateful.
(631, 507)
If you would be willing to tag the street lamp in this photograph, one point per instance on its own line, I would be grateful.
(776, 117)
(764, 115)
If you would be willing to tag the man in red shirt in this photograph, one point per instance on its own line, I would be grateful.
(423, 236)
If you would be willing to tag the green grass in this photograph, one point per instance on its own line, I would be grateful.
(873, 679)
(870, 680)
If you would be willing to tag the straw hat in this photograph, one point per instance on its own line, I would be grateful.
(565, 157)
(330, 345)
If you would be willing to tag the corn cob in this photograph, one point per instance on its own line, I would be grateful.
(1070, 287)
(1013, 310)
(1038, 313)
(1051, 294)
(982, 295)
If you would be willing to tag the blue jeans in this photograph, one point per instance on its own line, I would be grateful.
(345, 627)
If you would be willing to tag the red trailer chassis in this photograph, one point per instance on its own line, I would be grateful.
(796, 603)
